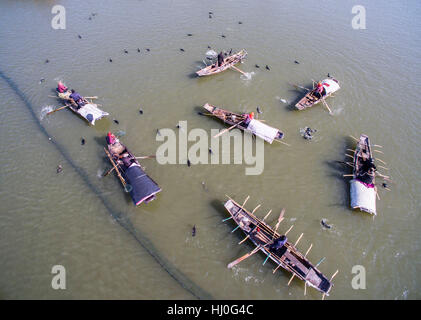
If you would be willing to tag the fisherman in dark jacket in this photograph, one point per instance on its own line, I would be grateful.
(220, 59)
(77, 98)
(279, 245)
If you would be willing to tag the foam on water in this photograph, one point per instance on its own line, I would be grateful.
(44, 111)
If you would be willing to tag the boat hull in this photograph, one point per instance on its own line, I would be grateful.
(228, 63)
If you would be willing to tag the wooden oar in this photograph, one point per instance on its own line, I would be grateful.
(236, 69)
(308, 250)
(232, 264)
(108, 172)
(281, 217)
(379, 151)
(223, 131)
(146, 157)
(354, 138)
(282, 142)
(61, 108)
(298, 240)
(333, 276)
(325, 104)
(384, 162)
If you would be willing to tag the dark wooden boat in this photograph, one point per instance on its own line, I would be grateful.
(131, 174)
(255, 126)
(363, 185)
(228, 63)
(288, 257)
(90, 111)
(330, 85)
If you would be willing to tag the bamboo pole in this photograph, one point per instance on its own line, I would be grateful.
(308, 250)
(298, 239)
(61, 108)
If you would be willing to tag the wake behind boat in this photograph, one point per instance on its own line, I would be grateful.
(80, 105)
(244, 122)
(226, 63)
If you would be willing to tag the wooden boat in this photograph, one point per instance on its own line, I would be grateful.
(330, 85)
(255, 126)
(131, 174)
(90, 111)
(288, 257)
(228, 63)
(363, 186)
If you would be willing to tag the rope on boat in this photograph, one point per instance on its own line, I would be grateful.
(123, 221)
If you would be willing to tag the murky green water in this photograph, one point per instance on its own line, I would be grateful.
(111, 249)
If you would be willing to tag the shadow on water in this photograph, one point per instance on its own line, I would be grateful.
(122, 219)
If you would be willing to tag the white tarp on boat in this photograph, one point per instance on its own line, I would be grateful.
(262, 130)
(330, 85)
(362, 197)
(91, 112)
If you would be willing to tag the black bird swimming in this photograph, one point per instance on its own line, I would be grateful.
(209, 47)
(41, 80)
(140, 111)
(46, 61)
(138, 50)
(328, 75)
(125, 51)
(181, 49)
(82, 141)
(80, 37)
(116, 121)
(111, 60)
(230, 52)
(267, 67)
(147, 49)
(157, 132)
(384, 185)
(188, 162)
(295, 61)
(210, 151)
(239, 22)
(324, 224)
(257, 66)
(258, 110)
(223, 36)
(177, 126)
(189, 34)
(193, 231)
(59, 168)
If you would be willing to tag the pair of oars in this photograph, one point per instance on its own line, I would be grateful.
(143, 157)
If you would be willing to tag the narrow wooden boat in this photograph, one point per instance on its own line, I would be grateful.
(255, 126)
(131, 174)
(228, 63)
(330, 85)
(90, 111)
(288, 257)
(363, 185)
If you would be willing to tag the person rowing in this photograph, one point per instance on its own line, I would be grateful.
(278, 245)
(320, 90)
(77, 99)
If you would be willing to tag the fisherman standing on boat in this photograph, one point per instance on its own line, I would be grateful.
(320, 90)
(220, 59)
(77, 98)
(61, 88)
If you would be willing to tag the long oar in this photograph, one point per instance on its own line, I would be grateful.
(108, 172)
(323, 297)
(146, 157)
(226, 130)
(236, 69)
(281, 217)
(230, 265)
(61, 108)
